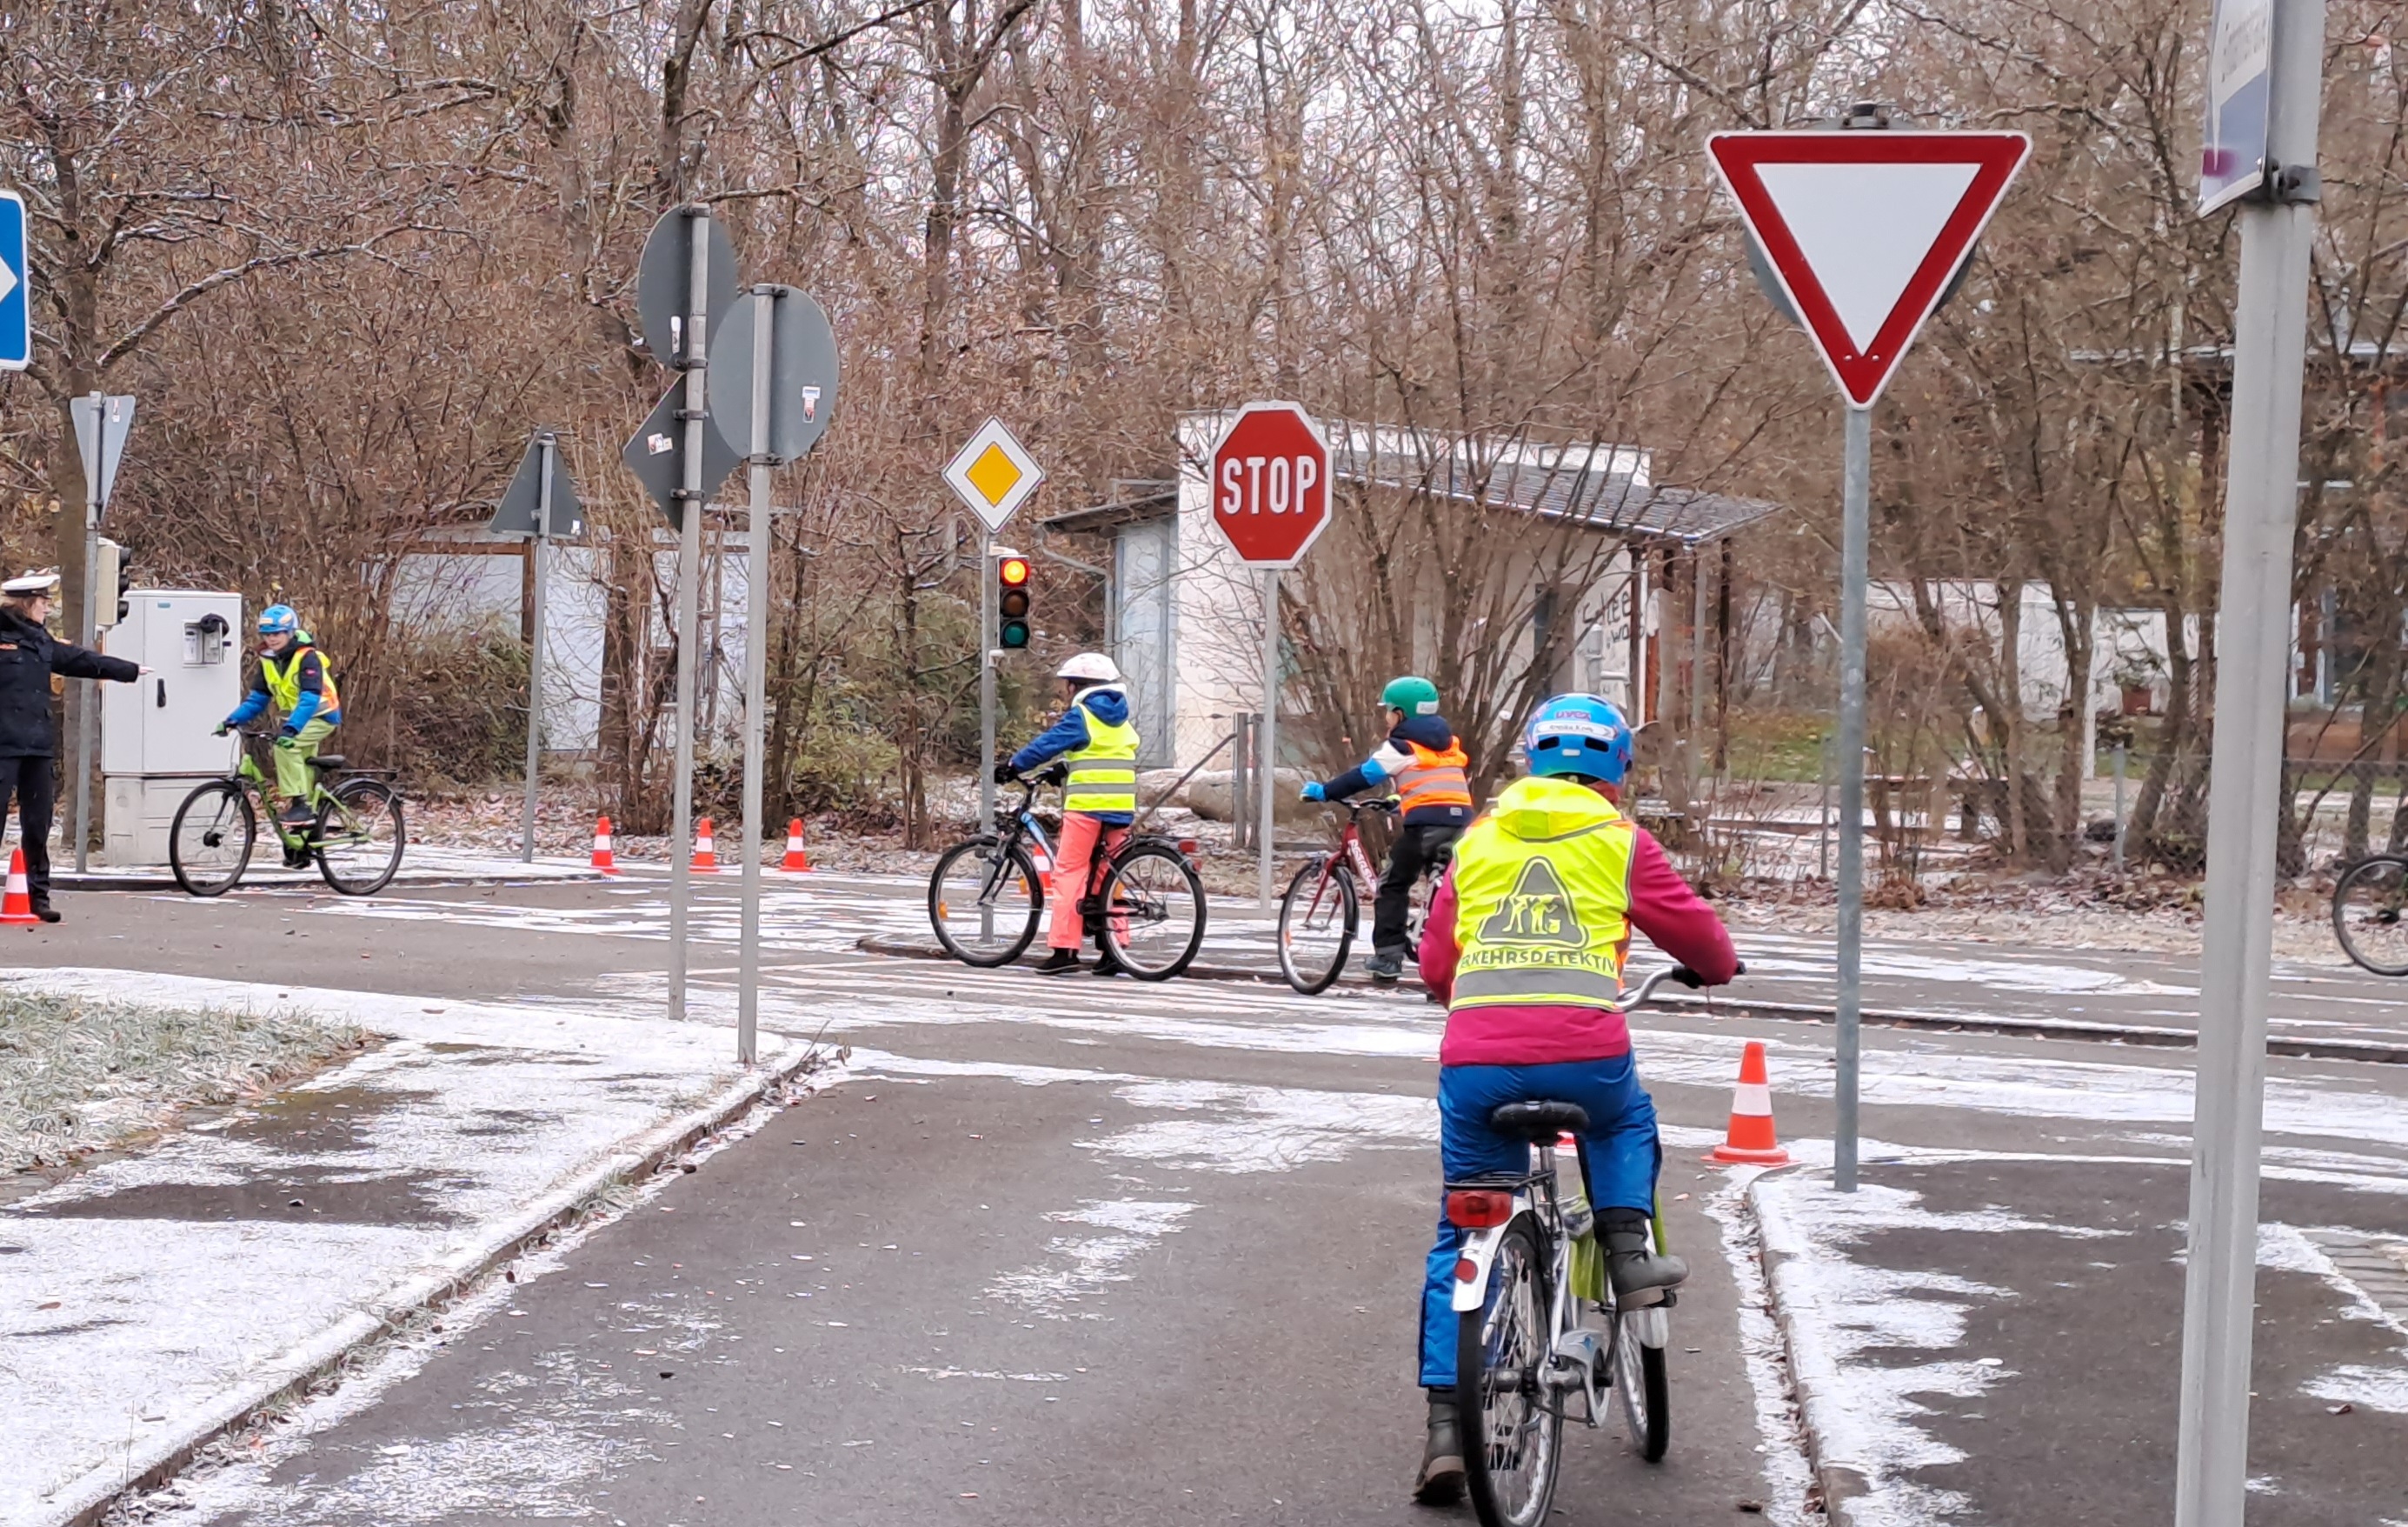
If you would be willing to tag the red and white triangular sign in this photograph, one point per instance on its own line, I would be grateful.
(1866, 229)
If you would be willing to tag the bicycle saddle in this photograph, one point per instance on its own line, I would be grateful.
(1539, 1120)
(328, 760)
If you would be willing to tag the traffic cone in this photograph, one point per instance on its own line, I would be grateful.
(603, 860)
(796, 862)
(1750, 1140)
(705, 853)
(1045, 863)
(18, 905)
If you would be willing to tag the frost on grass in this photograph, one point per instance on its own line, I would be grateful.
(75, 1074)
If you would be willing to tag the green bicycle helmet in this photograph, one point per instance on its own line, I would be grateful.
(1411, 694)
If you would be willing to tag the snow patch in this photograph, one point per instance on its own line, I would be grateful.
(1267, 1128)
(1086, 1263)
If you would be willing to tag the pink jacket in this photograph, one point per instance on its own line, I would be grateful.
(1662, 906)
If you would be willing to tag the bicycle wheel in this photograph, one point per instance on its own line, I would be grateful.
(984, 900)
(1512, 1425)
(208, 846)
(1644, 1383)
(2369, 914)
(1154, 918)
(360, 837)
(1316, 926)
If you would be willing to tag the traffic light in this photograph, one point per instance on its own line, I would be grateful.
(1011, 601)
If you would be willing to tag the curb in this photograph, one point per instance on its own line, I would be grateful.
(84, 1500)
(2372, 1052)
(1837, 1480)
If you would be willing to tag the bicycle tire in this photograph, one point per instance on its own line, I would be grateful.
(1127, 885)
(1016, 943)
(2382, 882)
(231, 815)
(1501, 1422)
(1646, 1386)
(344, 819)
(1307, 882)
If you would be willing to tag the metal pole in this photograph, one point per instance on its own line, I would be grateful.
(545, 445)
(2253, 651)
(90, 637)
(1697, 663)
(1264, 766)
(1822, 811)
(756, 680)
(690, 500)
(2119, 806)
(987, 639)
(1855, 537)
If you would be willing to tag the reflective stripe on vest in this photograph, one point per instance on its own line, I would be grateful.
(284, 681)
(1542, 922)
(1103, 774)
(1435, 779)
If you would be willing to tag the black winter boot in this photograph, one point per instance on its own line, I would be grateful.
(1060, 963)
(1440, 1481)
(1640, 1275)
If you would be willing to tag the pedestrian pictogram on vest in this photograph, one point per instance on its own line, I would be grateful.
(1538, 910)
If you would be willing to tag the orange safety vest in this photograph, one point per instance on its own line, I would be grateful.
(1434, 778)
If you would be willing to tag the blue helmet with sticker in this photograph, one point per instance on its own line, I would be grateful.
(279, 620)
(1578, 734)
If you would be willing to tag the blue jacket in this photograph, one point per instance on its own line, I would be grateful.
(1390, 758)
(1067, 735)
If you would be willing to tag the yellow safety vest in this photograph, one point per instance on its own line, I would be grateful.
(1542, 899)
(284, 679)
(1103, 773)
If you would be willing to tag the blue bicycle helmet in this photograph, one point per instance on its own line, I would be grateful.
(278, 620)
(1578, 734)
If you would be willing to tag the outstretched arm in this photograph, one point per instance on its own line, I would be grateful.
(1060, 738)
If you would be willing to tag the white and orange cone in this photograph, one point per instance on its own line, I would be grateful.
(706, 852)
(796, 862)
(1750, 1140)
(17, 906)
(604, 861)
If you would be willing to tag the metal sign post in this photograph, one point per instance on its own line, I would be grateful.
(694, 358)
(776, 368)
(540, 504)
(986, 639)
(1266, 738)
(1864, 234)
(2252, 640)
(102, 422)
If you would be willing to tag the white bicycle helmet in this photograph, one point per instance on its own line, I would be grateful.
(1090, 668)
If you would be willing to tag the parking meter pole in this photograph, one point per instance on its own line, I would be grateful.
(1265, 766)
(535, 648)
(1856, 539)
(689, 500)
(756, 679)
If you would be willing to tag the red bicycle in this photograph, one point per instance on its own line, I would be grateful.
(1324, 906)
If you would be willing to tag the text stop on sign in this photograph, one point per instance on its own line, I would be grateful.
(1270, 482)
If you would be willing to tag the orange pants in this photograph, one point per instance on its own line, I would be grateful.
(1074, 857)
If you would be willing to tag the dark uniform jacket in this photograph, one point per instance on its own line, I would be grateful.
(29, 655)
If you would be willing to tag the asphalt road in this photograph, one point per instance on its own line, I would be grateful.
(1059, 1251)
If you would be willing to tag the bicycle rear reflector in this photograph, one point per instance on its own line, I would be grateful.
(1011, 601)
(1478, 1208)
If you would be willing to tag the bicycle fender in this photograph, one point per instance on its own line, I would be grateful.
(1480, 1250)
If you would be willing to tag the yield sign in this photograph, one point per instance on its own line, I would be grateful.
(1866, 229)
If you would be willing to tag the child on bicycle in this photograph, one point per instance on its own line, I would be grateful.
(1095, 738)
(1526, 942)
(1424, 762)
(294, 674)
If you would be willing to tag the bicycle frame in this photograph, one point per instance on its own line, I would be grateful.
(254, 781)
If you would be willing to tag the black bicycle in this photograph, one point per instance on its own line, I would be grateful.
(2367, 908)
(1142, 905)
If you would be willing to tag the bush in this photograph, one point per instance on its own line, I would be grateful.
(454, 708)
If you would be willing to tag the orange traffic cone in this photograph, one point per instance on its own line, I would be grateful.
(603, 860)
(1044, 863)
(796, 862)
(17, 906)
(1750, 1139)
(705, 853)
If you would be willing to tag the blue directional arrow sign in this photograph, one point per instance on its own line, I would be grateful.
(16, 305)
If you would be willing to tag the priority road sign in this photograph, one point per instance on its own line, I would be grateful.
(518, 514)
(16, 293)
(1270, 484)
(657, 454)
(802, 370)
(1865, 230)
(994, 474)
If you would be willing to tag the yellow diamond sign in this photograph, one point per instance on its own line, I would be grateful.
(994, 474)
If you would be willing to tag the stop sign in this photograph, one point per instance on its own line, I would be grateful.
(1270, 483)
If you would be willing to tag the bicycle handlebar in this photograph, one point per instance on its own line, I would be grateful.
(1355, 809)
(1681, 974)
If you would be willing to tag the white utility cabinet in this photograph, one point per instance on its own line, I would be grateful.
(154, 739)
